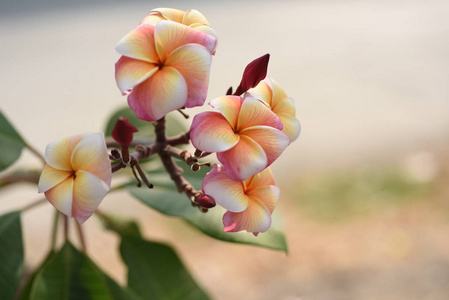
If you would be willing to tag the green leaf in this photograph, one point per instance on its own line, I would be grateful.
(11, 143)
(156, 272)
(11, 254)
(71, 275)
(26, 292)
(174, 123)
(165, 198)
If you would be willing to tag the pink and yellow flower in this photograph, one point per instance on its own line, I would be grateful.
(191, 18)
(270, 92)
(246, 135)
(77, 175)
(163, 68)
(249, 203)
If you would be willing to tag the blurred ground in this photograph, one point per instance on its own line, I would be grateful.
(364, 189)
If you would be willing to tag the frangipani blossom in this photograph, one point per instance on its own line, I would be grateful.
(270, 92)
(163, 68)
(250, 203)
(191, 18)
(245, 133)
(77, 175)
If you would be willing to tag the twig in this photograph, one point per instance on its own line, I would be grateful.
(117, 167)
(186, 116)
(187, 157)
(35, 152)
(142, 175)
(34, 204)
(139, 183)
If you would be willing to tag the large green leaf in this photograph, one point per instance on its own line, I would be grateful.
(174, 123)
(155, 271)
(11, 143)
(71, 275)
(165, 198)
(11, 254)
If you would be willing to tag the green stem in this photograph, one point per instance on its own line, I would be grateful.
(66, 228)
(81, 237)
(54, 231)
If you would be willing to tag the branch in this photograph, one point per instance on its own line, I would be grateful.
(166, 153)
(31, 176)
(111, 143)
(183, 138)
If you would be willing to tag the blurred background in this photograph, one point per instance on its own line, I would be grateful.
(364, 200)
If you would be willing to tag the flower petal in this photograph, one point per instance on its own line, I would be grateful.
(229, 107)
(260, 179)
(278, 92)
(193, 62)
(268, 195)
(272, 141)
(205, 29)
(92, 155)
(285, 106)
(256, 218)
(58, 153)
(50, 177)
(139, 44)
(254, 112)
(226, 192)
(211, 132)
(170, 35)
(243, 160)
(162, 93)
(171, 14)
(88, 191)
(152, 19)
(61, 196)
(292, 127)
(193, 16)
(130, 72)
(262, 92)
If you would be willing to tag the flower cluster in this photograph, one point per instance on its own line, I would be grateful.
(248, 134)
(164, 66)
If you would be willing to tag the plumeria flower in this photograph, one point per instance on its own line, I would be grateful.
(191, 18)
(249, 203)
(164, 68)
(77, 175)
(271, 93)
(246, 135)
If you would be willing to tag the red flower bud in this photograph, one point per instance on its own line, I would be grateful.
(205, 201)
(254, 72)
(123, 132)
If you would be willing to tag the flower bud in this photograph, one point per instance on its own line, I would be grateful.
(205, 201)
(123, 132)
(254, 72)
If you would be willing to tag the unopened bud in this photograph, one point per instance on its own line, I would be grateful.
(115, 154)
(123, 132)
(254, 72)
(206, 201)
